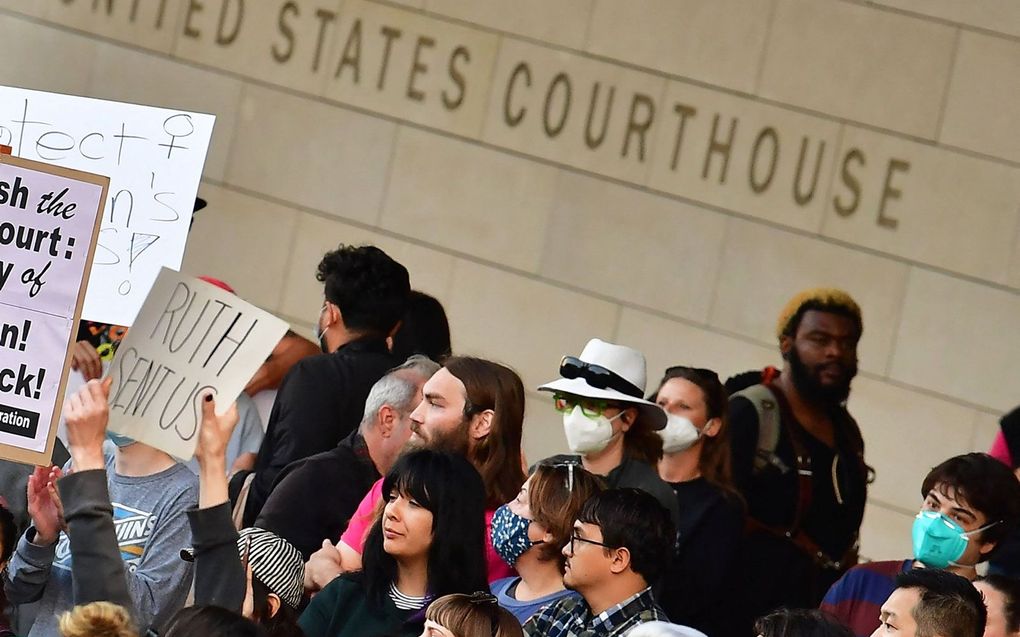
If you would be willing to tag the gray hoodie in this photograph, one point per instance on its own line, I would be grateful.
(151, 528)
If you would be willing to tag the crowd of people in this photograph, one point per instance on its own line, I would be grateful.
(389, 496)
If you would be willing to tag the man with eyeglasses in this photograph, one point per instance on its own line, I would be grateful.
(620, 545)
(608, 424)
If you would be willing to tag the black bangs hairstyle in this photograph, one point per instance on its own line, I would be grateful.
(449, 487)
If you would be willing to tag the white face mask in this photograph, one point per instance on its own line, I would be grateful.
(587, 435)
(320, 333)
(679, 434)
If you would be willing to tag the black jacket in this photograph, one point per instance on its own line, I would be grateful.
(320, 402)
(314, 498)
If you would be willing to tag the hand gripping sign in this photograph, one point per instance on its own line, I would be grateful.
(189, 337)
(49, 222)
(154, 158)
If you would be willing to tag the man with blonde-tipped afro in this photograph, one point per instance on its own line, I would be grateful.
(798, 456)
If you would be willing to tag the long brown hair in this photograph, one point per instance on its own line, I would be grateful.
(714, 462)
(497, 456)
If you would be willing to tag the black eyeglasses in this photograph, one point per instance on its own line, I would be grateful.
(597, 376)
(575, 538)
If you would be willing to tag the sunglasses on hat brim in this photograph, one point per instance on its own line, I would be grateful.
(597, 376)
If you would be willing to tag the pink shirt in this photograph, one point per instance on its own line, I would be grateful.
(363, 518)
(1000, 451)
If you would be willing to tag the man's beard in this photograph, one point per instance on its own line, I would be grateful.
(455, 442)
(808, 383)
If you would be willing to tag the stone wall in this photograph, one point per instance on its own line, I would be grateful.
(661, 173)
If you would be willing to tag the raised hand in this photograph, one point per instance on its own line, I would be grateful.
(44, 504)
(211, 452)
(214, 432)
(87, 412)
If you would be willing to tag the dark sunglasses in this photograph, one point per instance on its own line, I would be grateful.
(597, 376)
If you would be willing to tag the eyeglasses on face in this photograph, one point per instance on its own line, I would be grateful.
(590, 407)
(575, 538)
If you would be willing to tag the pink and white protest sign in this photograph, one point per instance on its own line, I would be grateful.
(49, 222)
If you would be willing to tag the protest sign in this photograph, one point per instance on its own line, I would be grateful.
(190, 337)
(49, 222)
(154, 158)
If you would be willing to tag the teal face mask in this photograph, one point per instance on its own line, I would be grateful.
(939, 541)
(119, 440)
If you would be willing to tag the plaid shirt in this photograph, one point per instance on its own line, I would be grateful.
(571, 617)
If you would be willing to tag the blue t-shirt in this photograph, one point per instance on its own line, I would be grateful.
(523, 610)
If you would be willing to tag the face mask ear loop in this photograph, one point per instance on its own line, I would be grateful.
(967, 535)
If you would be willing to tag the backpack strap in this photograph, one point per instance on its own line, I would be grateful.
(769, 424)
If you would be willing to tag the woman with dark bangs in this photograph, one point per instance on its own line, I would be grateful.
(427, 542)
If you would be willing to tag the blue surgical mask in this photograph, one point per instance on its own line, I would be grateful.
(939, 541)
(510, 535)
(120, 440)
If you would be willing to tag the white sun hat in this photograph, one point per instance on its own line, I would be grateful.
(608, 371)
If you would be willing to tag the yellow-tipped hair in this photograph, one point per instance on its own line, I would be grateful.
(827, 298)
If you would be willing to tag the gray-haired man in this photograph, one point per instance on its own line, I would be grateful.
(314, 498)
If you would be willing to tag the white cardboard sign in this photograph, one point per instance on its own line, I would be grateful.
(189, 337)
(154, 158)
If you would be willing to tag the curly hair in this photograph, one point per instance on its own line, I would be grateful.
(831, 300)
(98, 619)
(369, 287)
